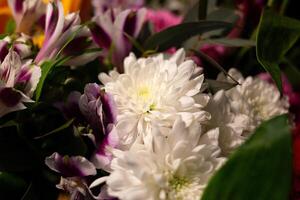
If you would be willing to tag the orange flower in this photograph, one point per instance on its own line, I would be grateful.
(5, 15)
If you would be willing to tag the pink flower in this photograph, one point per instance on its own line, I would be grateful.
(162, 19)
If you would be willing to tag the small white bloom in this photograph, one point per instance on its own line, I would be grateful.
(238, 111)
(256, 98)
(177, 167)
(231, 125)
(156, 90)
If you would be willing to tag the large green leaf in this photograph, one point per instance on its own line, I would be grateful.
(175, 35)
(46, 68)
(11, 186)
(16, 154)
(260, 169)
(276, 35)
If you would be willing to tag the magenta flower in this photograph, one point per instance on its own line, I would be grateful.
(162, 19)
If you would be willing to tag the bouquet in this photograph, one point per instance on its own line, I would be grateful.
(152, 100)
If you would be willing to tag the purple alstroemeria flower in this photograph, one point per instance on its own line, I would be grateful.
(18, 80)
(19, 42)
(70, 166)
(102, 156)
(110, 29)
(97, 107)
(98, 111)
(76, 187)
(101, 6)
(26, 13)
(58, 30)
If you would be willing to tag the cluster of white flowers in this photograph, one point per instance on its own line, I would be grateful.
(173, 136)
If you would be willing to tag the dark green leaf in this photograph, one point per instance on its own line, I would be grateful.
(214, 86)
(192, 14)
(59, 129)
(260, 169)
(15, 153)
(175, 35)
(218, 85)
(196, 12)
(202, 9)
(46, 68)
(276, 35)
(230, 42)
(11, 186)
(223, 14)
(292, 73)
(30, 193)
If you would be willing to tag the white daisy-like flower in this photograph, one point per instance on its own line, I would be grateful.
(177, 167)
(157, 90)
(238, 111)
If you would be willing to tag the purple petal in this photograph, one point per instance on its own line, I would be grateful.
(70, 166)
(18, 5)
(102, 157)
(3, 49)
(10, 97)
(109, 108)
(100, 36)
(53, 30)
(71, 19)
(92, 91)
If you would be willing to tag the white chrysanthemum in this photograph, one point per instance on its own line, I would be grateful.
(177, 167)
(256, 98)
(231, 125)
(238, 111)
(156, 90)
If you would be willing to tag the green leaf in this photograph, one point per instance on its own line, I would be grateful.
(230, 42)
(223, 14)
(10, 26)
(15, 152)
(59, 129)
(214, 86)
(11, 186)
(175, 35)
(202, 9)
(197, 12)
(46, 68)
(276, 35)
(260, 169)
